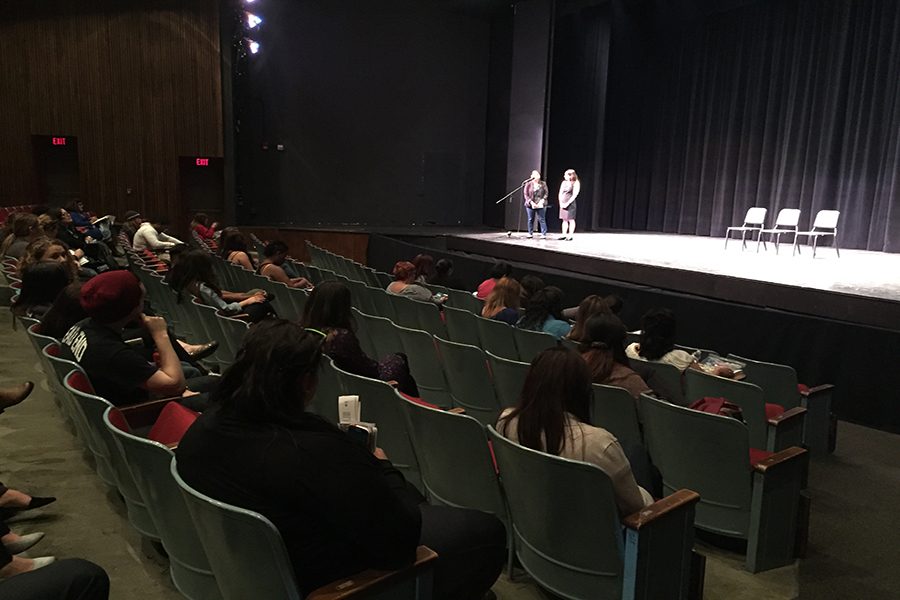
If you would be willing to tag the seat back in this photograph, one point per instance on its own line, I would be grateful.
(826, 219)
(362, 299)
(425, 366)
(615, 410)
(778, 382)
(383, 335)
(297, 299)
(461, 327)
(244, 548)
(509, 377)
(379, 403)
(706, 453)
(465, 301)
(455, 459)
(665, 380)
(466, 370)
(150, 465)
(756, 216)
(93, 407)
(233, 332)
(566, 526)
(497, 338)
(788, 218)
(532, 343)
(330, 386)
(405, 311)
(383, 303)
(429, 318)
(749, 397)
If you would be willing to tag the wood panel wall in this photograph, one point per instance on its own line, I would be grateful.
(137, 82)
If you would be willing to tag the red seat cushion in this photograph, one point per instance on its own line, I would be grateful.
(774, 410)
(803, 389)
(118, 420)
(757, 456)
(171, 424)
(418, 400)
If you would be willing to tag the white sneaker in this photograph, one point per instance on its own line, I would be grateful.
(543, 236)
(530, 236)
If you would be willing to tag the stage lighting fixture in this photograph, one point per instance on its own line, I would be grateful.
(253, 20)
(249, 1)
(252, 45)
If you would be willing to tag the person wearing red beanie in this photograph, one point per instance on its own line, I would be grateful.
(117, 370)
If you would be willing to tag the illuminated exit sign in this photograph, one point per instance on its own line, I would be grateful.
(58, 141)
(202, 162)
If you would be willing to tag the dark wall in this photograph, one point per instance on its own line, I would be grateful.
(381, 109)
(137, 83)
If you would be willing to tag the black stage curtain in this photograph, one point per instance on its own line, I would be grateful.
(781, 103)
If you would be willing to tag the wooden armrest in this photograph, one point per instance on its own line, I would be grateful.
(369, 579)
(393, 383)
(456, 410)
(660, 508)
(145, 413)
(817, 389)
(795, 413)
(779, 458)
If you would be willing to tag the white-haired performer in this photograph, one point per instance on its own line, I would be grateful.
(568, 192)
(536, 193)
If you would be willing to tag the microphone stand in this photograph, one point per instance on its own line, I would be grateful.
(519, 217)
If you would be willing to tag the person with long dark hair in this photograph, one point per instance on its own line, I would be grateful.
(193, 275)
(657, 343)
(443, 275)
(339, 507)
(328, 310)
(587, 308)
(603, 349)
(233, 248)
(424, 264)
(552, 416)
(544, 313)
(272, 266)
(41, 283)
(568, 193)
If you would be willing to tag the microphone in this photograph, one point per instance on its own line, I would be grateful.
(526, 181)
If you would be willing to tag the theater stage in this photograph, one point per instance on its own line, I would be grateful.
(859, 287)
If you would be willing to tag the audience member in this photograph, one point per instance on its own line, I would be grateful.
(233, 248)
(443, 275)
(552, 416)
(25, 230)
(130, 223)
(69, 579)
(192, 276)
(84, 221)
(590, 306)
(603, 349)
(530, 284)
(502, 303)
(498, 270)
(424, 264)
(272, 266)
(339, 507)
(404, 284)
(200, 224)
(118, 371)
(543, 313)
(48, 250)
(657, 343)
(151, 236)
(41, 283)
(328, 311)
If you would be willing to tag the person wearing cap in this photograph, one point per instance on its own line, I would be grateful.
(147, 237)
(118, 371)
(130, 223)
(536, 193)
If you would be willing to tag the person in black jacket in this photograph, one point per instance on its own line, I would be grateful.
(339, 508)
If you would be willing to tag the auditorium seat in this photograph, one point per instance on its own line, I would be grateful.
(465, 300)
(383, 334)
(771, 430)
(497, 338)
(569, 537)
(666, 381)
(429, 318)
(471, 388)
(711, 454)
(383, 304)
(531, 343)
(425, 365)
(457, 464)
(93, 407)
(325, 401)
(150, 465)
(361, 299)
(461, 326)
(824, 225)
(405, 311)
(615, 410)
(258, 566)
(785, 223)
(780, 386)
(233, 332)
(509, 377)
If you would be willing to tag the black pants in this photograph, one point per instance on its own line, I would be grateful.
(70, 579)
(472, 550)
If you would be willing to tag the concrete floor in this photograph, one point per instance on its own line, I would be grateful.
(42, 456)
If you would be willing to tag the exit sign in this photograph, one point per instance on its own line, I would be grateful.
(202, 162)
(58, 141)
